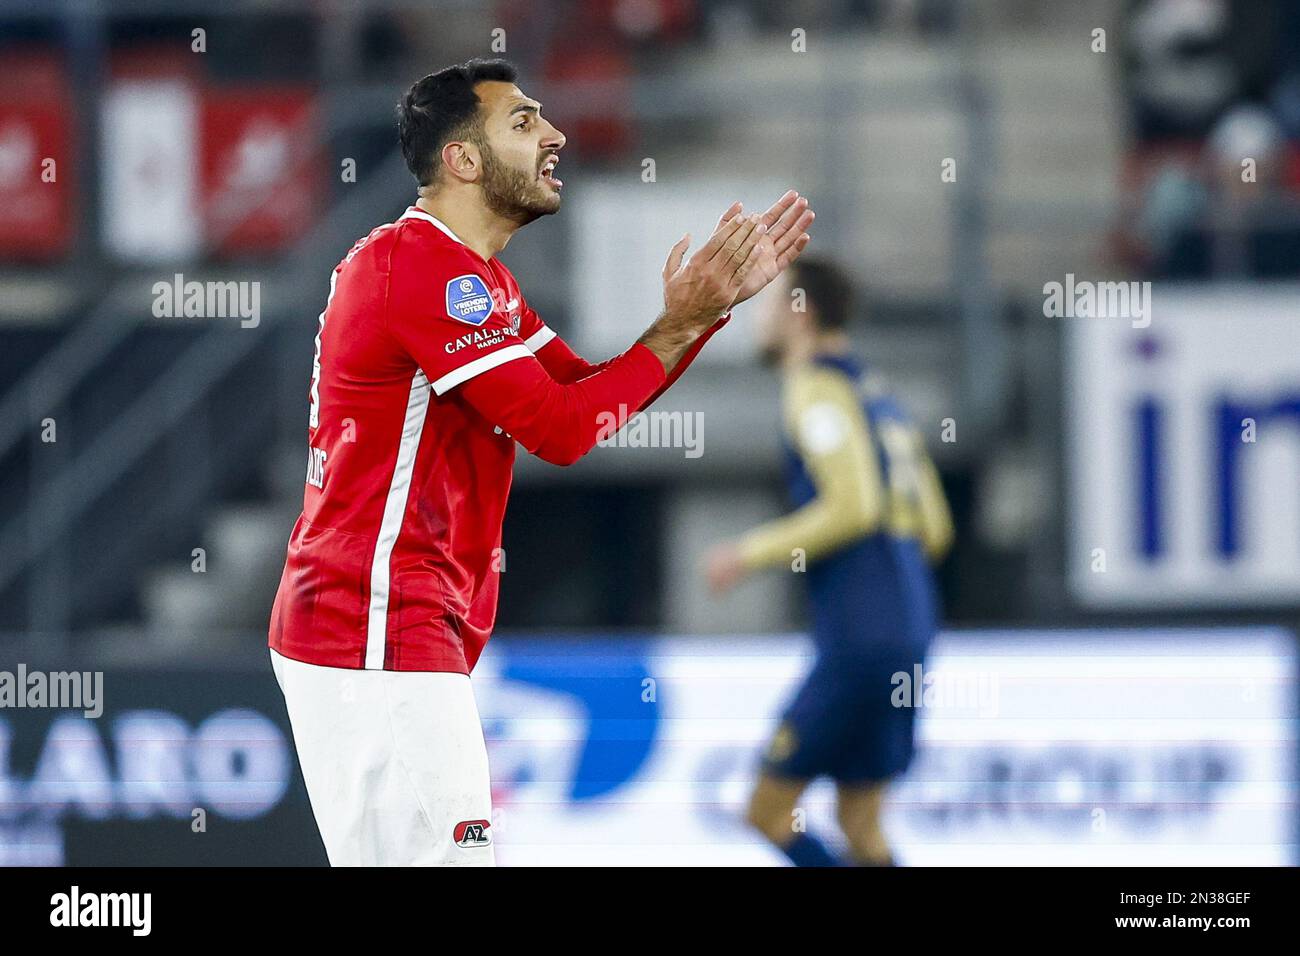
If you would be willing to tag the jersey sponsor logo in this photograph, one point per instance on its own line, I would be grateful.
(471, 833)
(480, 340)
(468, 300)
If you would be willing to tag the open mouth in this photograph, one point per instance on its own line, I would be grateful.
(548, 174)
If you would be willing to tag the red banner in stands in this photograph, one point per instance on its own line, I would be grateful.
(35, 158)
(261, 167)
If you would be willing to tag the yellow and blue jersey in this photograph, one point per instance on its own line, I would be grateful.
(869, 512)
(869, 516)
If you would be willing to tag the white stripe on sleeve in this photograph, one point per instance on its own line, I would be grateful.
(479, 366)
(539, 338)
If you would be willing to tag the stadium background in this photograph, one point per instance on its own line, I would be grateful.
(960, 158)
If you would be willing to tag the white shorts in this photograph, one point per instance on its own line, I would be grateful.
(395, 764)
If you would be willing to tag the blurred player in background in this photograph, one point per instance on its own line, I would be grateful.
(430, 367)
(870, 517)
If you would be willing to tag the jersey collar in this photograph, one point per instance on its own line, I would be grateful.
(415, 212)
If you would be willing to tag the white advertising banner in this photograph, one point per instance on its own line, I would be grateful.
(151, 199)
(1044, 748)
(1184, 451)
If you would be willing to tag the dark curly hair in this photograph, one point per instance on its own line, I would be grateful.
(828, 290)
(443, 107)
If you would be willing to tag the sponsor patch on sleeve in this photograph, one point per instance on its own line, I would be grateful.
(468, 299)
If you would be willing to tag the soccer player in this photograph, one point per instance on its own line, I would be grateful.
(429, 368)
(870, 516)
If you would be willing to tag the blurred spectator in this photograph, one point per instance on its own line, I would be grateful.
(1229, 211)
(1190, 60)
(1180, 74)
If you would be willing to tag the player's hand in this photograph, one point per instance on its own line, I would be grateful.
(787, 221)
(701, 289)
(698, 291)
(724, 569)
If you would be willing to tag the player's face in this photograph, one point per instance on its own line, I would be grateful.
(519, 154)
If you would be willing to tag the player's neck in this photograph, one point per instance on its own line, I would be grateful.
(805, 350)
(832, 343)
(478, 227)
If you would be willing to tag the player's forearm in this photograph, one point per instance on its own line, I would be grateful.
(568, 420)
(687, 358)
(567, 367)
(673, 335)
(560, 423)
(847, 507)
(816, 530)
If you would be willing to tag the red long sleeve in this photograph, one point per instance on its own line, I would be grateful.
(560, 422)
(479, 343)
(686, 360)
(567, 366)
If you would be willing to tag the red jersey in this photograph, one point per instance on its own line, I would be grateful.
(427, 362)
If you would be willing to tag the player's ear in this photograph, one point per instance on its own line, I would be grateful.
(462, 160)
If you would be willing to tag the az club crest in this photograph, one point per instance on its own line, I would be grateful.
(472, 833)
